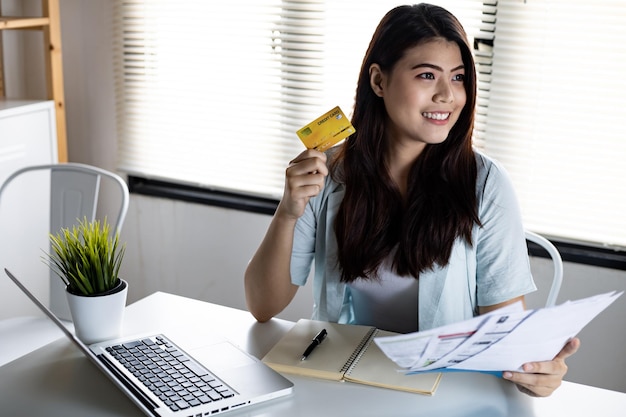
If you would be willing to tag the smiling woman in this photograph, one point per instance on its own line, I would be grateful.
(404, 204)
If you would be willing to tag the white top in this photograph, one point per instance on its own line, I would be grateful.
(389, 303)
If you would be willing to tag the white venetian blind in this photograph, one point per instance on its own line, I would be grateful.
(211, 93)
(557, 107)
(200, 86)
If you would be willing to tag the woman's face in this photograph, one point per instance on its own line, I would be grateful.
(424, 92)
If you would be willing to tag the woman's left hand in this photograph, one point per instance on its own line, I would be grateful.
(540, 379)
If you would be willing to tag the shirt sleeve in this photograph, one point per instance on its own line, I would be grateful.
(303, 250)
(503, 268)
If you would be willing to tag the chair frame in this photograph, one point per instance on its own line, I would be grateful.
(557, 278)
(87, 169)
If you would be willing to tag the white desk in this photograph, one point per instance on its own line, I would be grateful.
(57, 380)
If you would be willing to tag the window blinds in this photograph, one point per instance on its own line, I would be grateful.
(211, 93)
(556, 112)
(199, 89)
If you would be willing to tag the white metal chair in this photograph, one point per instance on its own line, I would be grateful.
(76, 191)
(557, 262)
(85, 181)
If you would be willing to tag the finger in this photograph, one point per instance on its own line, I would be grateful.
(306, 191)
(536, 391)
(569, 349)
(305, 185)
(308, 154)
(307, 166)
(556, 366)
(553, 367)
(540, 385)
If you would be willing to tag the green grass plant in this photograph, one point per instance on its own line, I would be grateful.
(86, 257)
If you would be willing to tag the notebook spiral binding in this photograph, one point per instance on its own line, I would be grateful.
(358, 352)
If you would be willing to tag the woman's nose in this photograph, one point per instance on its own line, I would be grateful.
(444, 92)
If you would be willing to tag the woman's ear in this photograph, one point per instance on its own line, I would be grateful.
(376, 79)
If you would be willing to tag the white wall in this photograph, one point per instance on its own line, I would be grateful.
(201, 251)
(194, 250)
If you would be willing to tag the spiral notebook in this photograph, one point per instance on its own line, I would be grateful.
(347, 354)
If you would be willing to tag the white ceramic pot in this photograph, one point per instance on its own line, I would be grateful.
(99, 317)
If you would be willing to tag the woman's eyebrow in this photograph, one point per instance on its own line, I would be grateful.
(437, 67)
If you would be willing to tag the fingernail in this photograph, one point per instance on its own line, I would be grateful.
(507, 375)
(528, 367)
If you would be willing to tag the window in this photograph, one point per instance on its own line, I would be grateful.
(199, 93)
(556, 111)
(210, 95)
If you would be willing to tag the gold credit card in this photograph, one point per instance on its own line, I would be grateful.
(326, 130)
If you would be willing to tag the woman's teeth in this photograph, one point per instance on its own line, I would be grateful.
(436, 116)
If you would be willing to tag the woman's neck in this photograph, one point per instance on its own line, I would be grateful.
(400, 159)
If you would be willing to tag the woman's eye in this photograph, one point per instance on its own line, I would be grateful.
(427, 76)
(458, 77)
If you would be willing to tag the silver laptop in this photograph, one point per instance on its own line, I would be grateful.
(164, 380)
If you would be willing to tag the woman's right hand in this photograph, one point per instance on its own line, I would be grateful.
(304, 178)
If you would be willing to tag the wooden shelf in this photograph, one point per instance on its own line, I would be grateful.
(23, 22)
(50, 24)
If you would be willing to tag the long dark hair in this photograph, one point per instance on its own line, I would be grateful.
(440, 204)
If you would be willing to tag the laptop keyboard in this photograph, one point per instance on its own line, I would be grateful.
(170, 373)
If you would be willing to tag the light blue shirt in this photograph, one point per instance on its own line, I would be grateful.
(494, 269)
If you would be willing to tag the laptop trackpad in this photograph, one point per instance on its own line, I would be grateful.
(221, 356)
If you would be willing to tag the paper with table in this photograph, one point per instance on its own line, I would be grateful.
(503, 340)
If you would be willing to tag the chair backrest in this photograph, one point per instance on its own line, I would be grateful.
(76, 192)
(557, 263)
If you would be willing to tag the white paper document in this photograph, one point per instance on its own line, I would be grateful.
(502, 340)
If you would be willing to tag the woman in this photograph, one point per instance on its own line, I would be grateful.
(408, 227)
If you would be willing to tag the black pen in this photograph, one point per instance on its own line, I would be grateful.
(314, 343)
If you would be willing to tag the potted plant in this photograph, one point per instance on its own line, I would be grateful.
(87, 258)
